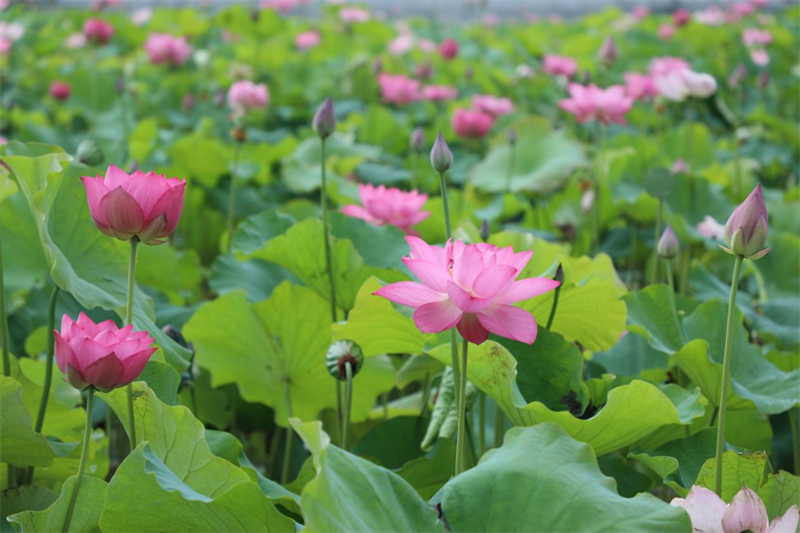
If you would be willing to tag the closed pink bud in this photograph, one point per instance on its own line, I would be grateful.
(746, 230)
(668, 244)
(471, 124)
(608, 52)
(98, 31)
(448, 49)
(146, 206)
(381, 205)
(100, 355)
(60, 90)
(681, 17)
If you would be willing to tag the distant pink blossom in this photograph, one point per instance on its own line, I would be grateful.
(448, 49)
(5, 46)
(678, 85)
(666, 31)
(681, 17)
(492, 105)
(423, 71)
(281, 6)
(490, 20)
(98, 31)
(587, 200)
(245, 95)
(743, 9)
(471, 287)
(640, 12)
(60, 90)
(3, 140)
(99, 5)
(381, 205)
(760, 57)
(665, 65)
(592, 103)
(760, 3)
(756, 37)
(710, 228)
(559, 66)
(471, 124)
(640, 86)
(398, 89)
(679, 166)
(142, 16)
(164, 48)
(307, 40)
(353, 14)
(11, 31)
(401, 44)
(426, 45)
(438, 93)
(710, 16)
(75, 40)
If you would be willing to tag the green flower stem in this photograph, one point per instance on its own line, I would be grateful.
(129, 321)
(659, 214)
(511, 160)
(793, 415)
(670, 278)
(87, 433)
(326, 230)
(462, 409)
(426, 394)
(448, 233)
(232, 195)
(348, 401)
(287, 450)
(552, 316)
(4, 320)
(499, 425)
(482, 423)
(726, 370)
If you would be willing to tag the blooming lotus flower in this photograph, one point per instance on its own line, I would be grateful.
(281, 6)
(398, 89)
(756, 37)
(559, 66)
(245, 95)
(662, 66)
(98, 31)
(381, 205)
(60, 90)
(679, 85)
(592, 103)
(746, 230)
(491, 105)
(439, 93)
(665, 32)
(307, 40)
(472, 287)
(353, 14)
(746, 512)
(640, 86)
(448, 49)
(75, 40)
(163, 48)
(711, 16)
(100, 355)
(471, 124)
(147, 206)
(759, 57)
(142, 16)
(681, 17)
(710, 228)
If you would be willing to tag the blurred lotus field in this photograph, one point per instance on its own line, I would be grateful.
(287, 370)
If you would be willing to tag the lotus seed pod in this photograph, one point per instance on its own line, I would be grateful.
(339, 354)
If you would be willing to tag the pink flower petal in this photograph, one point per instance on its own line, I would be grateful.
(95, 190)
(104, 373)
(745, 512)
(437, 316)
(464, 300)
(87, 352)
(63, 353)
(494, 280)
(134, 365)
(115, 178)
(786, 523)
(467, 266)
(122, 212)
(528, 288)
(509, 322)
(431, 274)
(471, 329)
(88, 325)
(410, 293)
(171, 205)
(705, 508)
(422, 250)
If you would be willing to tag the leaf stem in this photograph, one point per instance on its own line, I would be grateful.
(348, 401)
(287, 450)
(499, 425)
(726, 370)
(511, 161)
(659, 214)
(552, 316)
(482, 423)
(87, 432)
(4, 322)
(232, 195)
(462, 409)
(129, 321)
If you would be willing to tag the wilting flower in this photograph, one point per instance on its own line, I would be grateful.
(592, 103)
(746, 512)
(307, 40)
(640, 86)
(747, 228)
(559, 66)
(398, 89)
(98, 31)
(492, 105)
(472, 287)
(100, 355)
(245, 95)
(438, 93)
(678, 85)
(164, 48)
(665, 31)
(471, 124)
(353, 14)
(448, 49)
(710, 228)
(668, 244)
(60, 90)
(681, 17)
(147, 206)
(381, 205)
(608, 52)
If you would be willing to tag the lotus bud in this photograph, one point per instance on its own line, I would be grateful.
(441, 156)
(339, 354)
(485, 231)
(668, 244)
(417, 140)
(324, 122)
(746, 230)
(608, 52)
(89, 153)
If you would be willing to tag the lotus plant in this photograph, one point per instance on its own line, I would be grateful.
(165, 48)
(381, 205)
(471, 124)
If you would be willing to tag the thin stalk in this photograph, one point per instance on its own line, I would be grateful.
(598, 187)
(4, 324)
(446, 205)
(426, 394)
(415, 175)
(462, 409)
(129, 321)
(328, 260)
(232, 195)
(726, 370)
(348, 400)
(511, 161)
(654, 275)
(686, 263)
(287, 450)
(555, 307)
(385, 402)
(793, 414)
(670, 278)
(482, 423)
(87, 432)
(453, 336)
(499, 425)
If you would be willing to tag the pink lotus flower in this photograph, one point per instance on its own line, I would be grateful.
(245, 95)
(587, 201)
(448, 49)
(760, 3)
(350, 15)
(281, 6)
(11, 31)
(679, 85)
(471, 287)
(400, 45)
(760, 57)
(681, 17)
(710, 228)
(142, 16)
(100, 355)
(164, 48)
(471, 124)
(711, 16)
(438, 93)
(756, 37)
(426, 45)
(492, 105)
(640, 12)
(75, 40)
(98, 31)
(742, 9)
(665, 65)
(5, 46)
(381, 205)
(748, 226)
(307, 40)
(640, 86)
(60, 90)
(398, 89)
(679, 166)
(746, 512)
(666, 31)
(559, 66)
(147, 206)
(592, 103)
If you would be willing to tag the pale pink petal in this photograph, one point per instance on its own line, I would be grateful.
(786, 523)
(356, 211)
(410, 293)
(95, 190)
(87, 325)
(464, 300)
(422, 250)
(494, 280)
(115, 178)
(104, 373)
(171, 205)
(134, 365)
(467, 267)
(471, 329)
(745, 512)
(122, 212)
(146, 189)
(437, 316)
(705, 508)
(509, 322)
(431, 274)
(527, 288)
